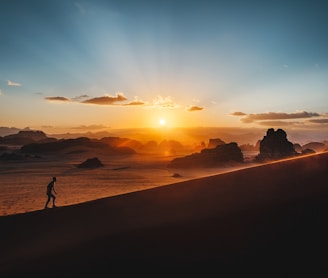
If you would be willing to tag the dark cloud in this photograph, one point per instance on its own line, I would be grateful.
(249, 118)
(106, 100)
(238, 114)
(194, 108)
(64, 99)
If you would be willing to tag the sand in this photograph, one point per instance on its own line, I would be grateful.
(23, 183)
(264, 221)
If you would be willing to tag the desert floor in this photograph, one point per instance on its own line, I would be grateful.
(263, 221)
(23, 183)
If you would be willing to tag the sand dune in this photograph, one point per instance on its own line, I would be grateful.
(265, 221)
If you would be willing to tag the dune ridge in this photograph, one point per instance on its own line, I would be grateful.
(264, 221)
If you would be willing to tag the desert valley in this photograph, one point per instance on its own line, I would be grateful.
(117, 165)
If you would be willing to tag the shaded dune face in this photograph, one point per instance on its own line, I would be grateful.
(270, 217)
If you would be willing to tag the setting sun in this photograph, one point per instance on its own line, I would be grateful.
(162, 121)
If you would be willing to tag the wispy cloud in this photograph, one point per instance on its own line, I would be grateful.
(119, 99)
(80, 98)
(194, 108)
(64, 99)
(319, 121)
(135, 102)
(249, 118)
(79, 7)
(106, 100)
(15, 84)
(164, 102)
(89, 127)
(276, 123)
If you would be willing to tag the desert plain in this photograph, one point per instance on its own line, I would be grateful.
(23, 183)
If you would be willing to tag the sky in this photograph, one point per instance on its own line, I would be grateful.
(96, 65)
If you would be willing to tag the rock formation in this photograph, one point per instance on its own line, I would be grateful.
(212, 143)
(24, 137)
(91, 163)
(275, 146)
(81, 144)
(210, 157)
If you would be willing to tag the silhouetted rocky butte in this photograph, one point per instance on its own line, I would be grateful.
(275, 146)
(25, 137)
(75, 145)
(91, 163)
(210, 157)
(213, 142)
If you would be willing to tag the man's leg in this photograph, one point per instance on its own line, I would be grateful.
(46, 206)
(53, 201)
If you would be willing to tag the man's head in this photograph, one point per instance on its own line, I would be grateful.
(54, 178)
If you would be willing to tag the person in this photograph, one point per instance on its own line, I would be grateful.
(50, 190)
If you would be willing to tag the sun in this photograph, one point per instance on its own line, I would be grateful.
(162, 122)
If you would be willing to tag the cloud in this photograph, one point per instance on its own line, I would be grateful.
(106, 100)
(238, 114)
(194, 108)
(276, 123)
(249, 118)
(47, 126)
(15, 84)
(164, 102)
(64, 99)
(0, 92)
(80, 98)
(134, 103)
(89, 127)
(319, 121)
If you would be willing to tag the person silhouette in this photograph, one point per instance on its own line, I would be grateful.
(50, 189)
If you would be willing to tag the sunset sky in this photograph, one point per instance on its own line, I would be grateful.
(97, 64)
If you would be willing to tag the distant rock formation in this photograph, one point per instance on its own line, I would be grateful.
(9, 156)
(316, 146)
(248, 147)
(212, 143)
(81, 144)
(297, 147)
(275, 146)
(91, 163)
(210, 157)
(24, 137)
(308, 151)
(121, 142)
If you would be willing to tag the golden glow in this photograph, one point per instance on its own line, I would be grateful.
(162, 122)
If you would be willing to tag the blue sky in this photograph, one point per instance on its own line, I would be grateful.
(121, 64)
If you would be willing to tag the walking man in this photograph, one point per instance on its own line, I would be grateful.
(50, 190)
